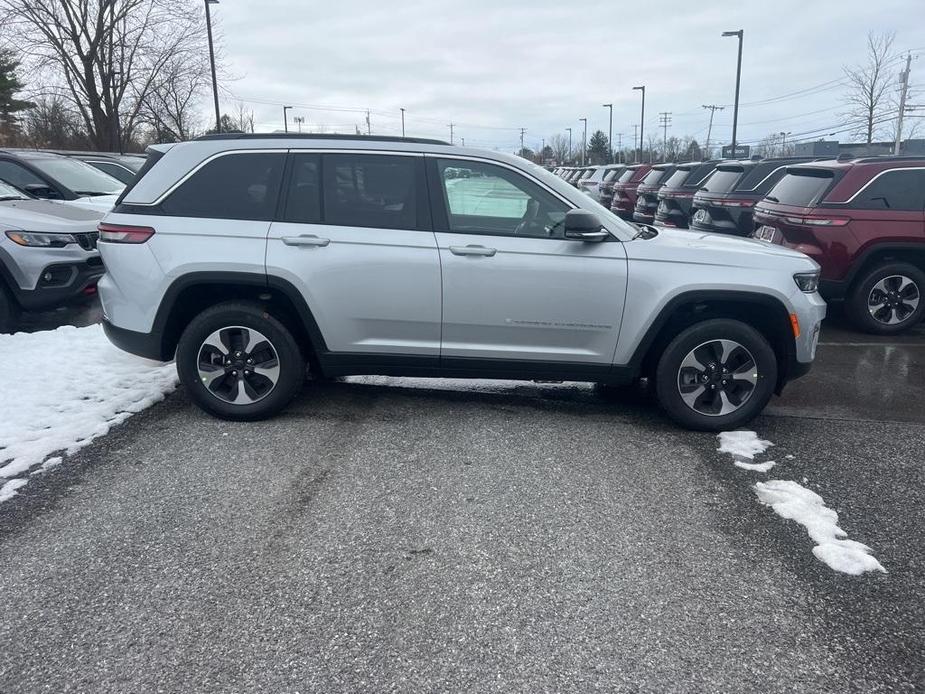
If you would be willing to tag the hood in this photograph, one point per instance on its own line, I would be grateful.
(103, 203)
(685, 246)
(44, 215)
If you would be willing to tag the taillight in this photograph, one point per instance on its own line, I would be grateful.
(732, 203)
(123, 233)
(819, 221)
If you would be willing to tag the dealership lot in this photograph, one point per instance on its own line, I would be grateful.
(386, 535)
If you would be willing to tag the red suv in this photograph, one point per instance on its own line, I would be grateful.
(624, 190)
(863, 221)
(647, 192)
(676, 196)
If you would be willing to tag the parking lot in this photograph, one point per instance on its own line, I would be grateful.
(407, 535)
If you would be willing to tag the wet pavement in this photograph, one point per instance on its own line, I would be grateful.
(408, 535)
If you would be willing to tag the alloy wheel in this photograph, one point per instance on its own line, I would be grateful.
(717, 377)
(238, 365)
(893, 299)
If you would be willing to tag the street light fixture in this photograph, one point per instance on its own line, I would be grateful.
(642, 117)
(286, 119)
(609, 134)
(584, 141)
(218, 118)
(735, 109)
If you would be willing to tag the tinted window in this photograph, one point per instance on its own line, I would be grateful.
(613, 175)
(677, 178)
(802, 189)
(653, 177)
(496, 200)
(722, 180)
(626, 175)
(18, 175)
(894, 190)
(303, 199)
(114, 170)
(371, 190)
(233, 186)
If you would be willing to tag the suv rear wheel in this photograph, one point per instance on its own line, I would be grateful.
(238, 362)
(888, 299)
(716, 375)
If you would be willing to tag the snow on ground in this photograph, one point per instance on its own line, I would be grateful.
(756, 467)
(71, 386)
(742, 444)
(795, 502)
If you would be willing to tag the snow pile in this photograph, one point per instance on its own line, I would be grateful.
(795, 502)
(63, 389)
(755, 467)
(745, 445)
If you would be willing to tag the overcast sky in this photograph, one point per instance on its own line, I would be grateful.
(494, 66)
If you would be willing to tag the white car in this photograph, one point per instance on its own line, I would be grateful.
(63, 179)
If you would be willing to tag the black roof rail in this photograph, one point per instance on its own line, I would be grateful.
(316, 136)
(844, 156)
(890, 157)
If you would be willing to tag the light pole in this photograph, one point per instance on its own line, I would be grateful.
(286, 119)
(735, 109)
(584, 141)
(569, 144)
(642, 117)
(218, 118)
(609, 134)
(402, 121)
(783, 143)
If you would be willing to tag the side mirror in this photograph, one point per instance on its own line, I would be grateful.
(40, 190)
(584, 226)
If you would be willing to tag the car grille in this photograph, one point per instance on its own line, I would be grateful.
(87, 240)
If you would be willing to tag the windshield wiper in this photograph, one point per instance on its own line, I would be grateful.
(4, 198)
(91, 193)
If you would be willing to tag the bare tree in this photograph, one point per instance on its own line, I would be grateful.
(868, 98)
(53, 123)
(170, 110)
(559, 145)
(106, 57)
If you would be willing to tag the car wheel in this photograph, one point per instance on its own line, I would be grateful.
(716, 375)
(238, 362)
(9, 312)
(888, 299)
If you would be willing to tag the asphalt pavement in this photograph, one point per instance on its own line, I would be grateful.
(403, 535)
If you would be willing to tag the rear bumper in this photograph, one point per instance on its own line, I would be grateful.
(147, 345)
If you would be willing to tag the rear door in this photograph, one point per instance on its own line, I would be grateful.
(354, 236)
(514, 289)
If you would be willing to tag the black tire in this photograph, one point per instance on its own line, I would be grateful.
(857, 306)
(752, 399)
(222, 318)
(9, 311)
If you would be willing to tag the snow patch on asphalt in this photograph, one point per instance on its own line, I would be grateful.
(795, 502)
(756, 467)
(72, 386)
(742, 444)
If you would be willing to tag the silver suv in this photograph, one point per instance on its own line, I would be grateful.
(247, 257)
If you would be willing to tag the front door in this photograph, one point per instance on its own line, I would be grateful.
(513, 287)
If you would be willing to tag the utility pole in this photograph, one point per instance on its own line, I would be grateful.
(402, 121)
(610, 135)
(463, 141)
(635, 137)
(642, 117)
(713, 109)
(451, 126)
(664, 122)
(369, 130)
(522, 131)
(286, 119)
(218, 118)
(735, 109)
(904, 79)
(569, 144)
(584, 141)
(299, 120)
(619, 148)
(543, 151)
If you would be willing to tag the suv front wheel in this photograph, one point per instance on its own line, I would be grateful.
(716, 375)
(888, 299)
(238, 362)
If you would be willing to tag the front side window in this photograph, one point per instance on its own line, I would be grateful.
(372, 190)
(18, 175)
(894, 190)
(496, 200)
(232, 186)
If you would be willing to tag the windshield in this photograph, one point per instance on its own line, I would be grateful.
(81, 178)
(802, 189)
(8, 192)
(722, 180)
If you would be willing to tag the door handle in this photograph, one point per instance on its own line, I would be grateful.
(472, 250)
(306, 240)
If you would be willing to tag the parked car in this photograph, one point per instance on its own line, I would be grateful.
(55, 177)
(583, 173)
(677, 194)
(725, 202)
(120, 166)
(590, 185)
(48, 254)
(331, 250)
(624, 190)
(863, 222)
(605, 191)
(647, 192)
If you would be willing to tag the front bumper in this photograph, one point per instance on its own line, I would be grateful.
(41, 278)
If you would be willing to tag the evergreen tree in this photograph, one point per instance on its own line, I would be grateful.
(9, 104)
(598, 148)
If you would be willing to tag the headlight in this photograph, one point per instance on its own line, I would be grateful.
(40, 239)
(807, 281)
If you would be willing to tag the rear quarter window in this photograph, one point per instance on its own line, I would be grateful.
(802, 189)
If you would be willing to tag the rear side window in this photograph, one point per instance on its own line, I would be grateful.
(371, 190)
(722, 180)
(233, 186)
(803, 189)
(894, 190)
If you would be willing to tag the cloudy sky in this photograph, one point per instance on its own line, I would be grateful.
(494, 66)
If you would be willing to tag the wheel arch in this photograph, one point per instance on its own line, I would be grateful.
(883, 254)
